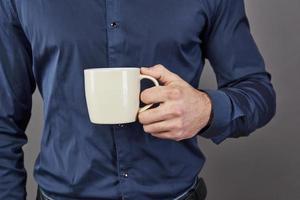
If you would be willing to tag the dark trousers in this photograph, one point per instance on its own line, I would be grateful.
(197, 193)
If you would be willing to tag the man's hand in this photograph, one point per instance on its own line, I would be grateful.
(183, 110)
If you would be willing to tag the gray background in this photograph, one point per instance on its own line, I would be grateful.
(266, 165)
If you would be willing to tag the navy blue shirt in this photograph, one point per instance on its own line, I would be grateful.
(47, 44)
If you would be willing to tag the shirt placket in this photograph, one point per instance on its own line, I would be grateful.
(123, 148)
(114, 32)
(115, 38)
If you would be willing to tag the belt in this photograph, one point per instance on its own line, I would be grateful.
(197, 193)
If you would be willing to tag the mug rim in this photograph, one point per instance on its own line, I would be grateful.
(111, 68)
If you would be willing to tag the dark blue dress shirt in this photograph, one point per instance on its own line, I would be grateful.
(48, 43)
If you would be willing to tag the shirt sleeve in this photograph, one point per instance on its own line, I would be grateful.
(245, 99)
(16, 87)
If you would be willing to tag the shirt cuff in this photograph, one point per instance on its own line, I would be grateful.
(221, 114)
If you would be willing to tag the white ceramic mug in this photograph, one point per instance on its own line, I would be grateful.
(113, 94)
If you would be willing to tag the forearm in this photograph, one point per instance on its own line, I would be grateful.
(241, 107)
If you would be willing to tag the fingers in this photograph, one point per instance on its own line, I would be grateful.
(161, 73)
(174, 124)
(173, 118)
(160, 113)
(164, 135)
(171, 135)
(161, 94)
(154, 95)
(174, 133)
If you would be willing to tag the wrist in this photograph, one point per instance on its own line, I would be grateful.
(208, 109)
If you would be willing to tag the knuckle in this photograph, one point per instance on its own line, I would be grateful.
(177, 126)
(146, 129)
(175, 93)
(141, 117)
(177, 111)
(179, 134)
(180, 124)
(178, 137)
(160, 67)
(145, 96)
(168, 115)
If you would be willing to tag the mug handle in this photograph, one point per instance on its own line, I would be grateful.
(155, 83)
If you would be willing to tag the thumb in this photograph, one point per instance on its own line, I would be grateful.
(161, 73)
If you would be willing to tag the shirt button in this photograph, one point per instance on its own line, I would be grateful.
(121, 125)
(114, 25)
(124, 174)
